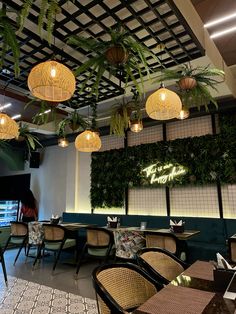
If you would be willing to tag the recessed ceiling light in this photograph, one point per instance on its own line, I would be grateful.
(220, 20)
(6, 71)
(17, 116)
(224, 32)
(5, 106)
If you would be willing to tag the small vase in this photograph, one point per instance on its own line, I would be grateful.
(187, 83)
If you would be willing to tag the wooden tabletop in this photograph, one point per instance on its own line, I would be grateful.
(187, 234)
(192, 292)
(75, 225)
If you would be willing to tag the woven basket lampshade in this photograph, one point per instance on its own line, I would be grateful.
(51, 81)
(8, 127)
(88, 141)
(163, 105)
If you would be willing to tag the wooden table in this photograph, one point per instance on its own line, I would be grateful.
(191, 292)
(187, 234)
(73, 226)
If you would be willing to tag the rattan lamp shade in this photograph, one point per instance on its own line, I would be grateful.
(88, 141)
(8, 127)
(51, 81)
(163, 104)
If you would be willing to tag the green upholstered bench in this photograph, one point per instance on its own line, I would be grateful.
(204, 246)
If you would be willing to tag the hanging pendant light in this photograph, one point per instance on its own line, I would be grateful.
(136, 125)
(88, 141)
(9, 129)
(63, 142)
(163, 104)
(183, 114)
(51, 81)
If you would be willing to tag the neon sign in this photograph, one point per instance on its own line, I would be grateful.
(162, 174)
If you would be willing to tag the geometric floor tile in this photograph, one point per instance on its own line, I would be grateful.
(25, 297)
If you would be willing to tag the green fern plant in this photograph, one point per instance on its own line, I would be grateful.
(46, 112)
(74, 120)
(133, 58)
(48, 9)
(205, 78)
(9, 40)
(31, 140)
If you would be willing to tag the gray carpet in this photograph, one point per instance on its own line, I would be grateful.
(26, 297)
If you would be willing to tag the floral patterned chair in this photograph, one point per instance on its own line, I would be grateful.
(128, 243)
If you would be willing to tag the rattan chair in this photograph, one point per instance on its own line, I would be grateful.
(55, 239)
(121, 288)
(99, 244)
(18, 236)
(160, 264)
(167, 241)
(232, 250)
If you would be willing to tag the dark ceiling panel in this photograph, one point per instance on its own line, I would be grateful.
(149, 21)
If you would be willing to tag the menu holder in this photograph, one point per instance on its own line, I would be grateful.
(112, 224)
(222, 278)
(177, 229)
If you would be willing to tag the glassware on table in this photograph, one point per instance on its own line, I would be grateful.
(143, 225)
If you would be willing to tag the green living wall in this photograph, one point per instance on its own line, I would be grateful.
(205, 159)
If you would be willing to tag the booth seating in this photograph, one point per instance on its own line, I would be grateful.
(212, 237)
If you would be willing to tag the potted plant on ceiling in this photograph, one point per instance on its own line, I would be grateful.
(74, 121)
(31, 140)
(123, 113)
(194, 83)
(121, 55)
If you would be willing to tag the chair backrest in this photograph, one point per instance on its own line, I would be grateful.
(19, 229)
(232, 249)
(36, 232)
(122, 287)
(165, 241)
(53, 232)
(128, 243)
(160, 263)
(99, 237)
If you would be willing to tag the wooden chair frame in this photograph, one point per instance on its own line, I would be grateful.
(23, 237)
(87, 246)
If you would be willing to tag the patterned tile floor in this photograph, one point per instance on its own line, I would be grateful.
(26, 297)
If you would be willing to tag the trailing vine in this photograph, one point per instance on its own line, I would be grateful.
(208, 159)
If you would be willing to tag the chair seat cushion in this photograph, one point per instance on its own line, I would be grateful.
(56, 245)
(100, 252)
(17, 240)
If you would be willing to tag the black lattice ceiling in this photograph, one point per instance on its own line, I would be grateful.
(149, 21)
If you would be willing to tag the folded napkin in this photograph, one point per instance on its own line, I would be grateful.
(175, 223)
(55, 216)
(222, 263)
(112, 219)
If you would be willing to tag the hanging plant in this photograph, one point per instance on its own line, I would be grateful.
(48, 9)
(120, 55)
(31, 140)
(74, 120)
(122, 113)
(194, 83)
(9, 40)
(46, 112)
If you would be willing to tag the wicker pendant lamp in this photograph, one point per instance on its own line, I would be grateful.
(9, 129)
(51, 81)
(163, 104)
(88, 141)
